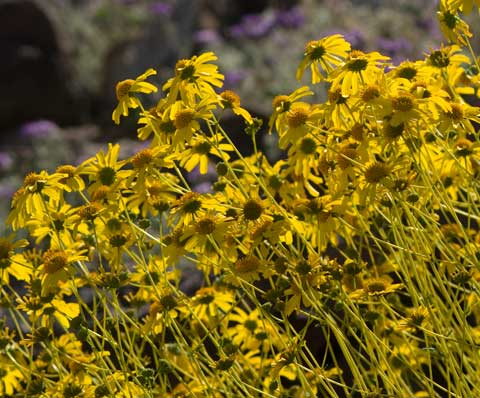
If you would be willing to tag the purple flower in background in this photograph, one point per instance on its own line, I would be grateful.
(233, 77)
(6, 161)
(6, 191)
(291, 19)
(253, 26)
(203, 187)
(392, 47)
(161, 8)
(356, 38)
(38, 129)
(206, 36)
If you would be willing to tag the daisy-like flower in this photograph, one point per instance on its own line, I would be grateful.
(28, 201)
(57, 267)
(359, 70)
(194, 77)
(162, 312)
(459, 116)
(445, 56)
(58, 223)
(252, 331)
(322, 56)
(453, 27)
(72, 179)
(248, 268)
(297, 122)
(230, 100)
(209, 303)
(126, 90)
(199, 150)
(209, 226)
(186, 119)
(10, 377)
(283, 103)
(12, 264)
(465, 6)
(375, 287)
(338, 111)
(105, 169)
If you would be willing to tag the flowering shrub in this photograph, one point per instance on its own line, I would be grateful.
(347, 269)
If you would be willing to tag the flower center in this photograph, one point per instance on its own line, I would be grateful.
(142, 158)
(190, 202)
(376, 172)
(202, 148)
(392, 132)
(183, 118)
(464, 147)
(297, 118)
(247, 264)
(118, 240)
(336, 97)
(90, 211)
(357, 62)
(308, 146)
(456, 114)
(167, 127)
(316, 52)
(54, 260)
(100, 193)
(252, 209)
(205, 226)
(439, 59)
(357, 132)
(5, 248)
(407, 72)
(107, 175)
(123, 88)
(370, 93)
(376, 286)
(230, 99)
(344, 158)
(403, 103)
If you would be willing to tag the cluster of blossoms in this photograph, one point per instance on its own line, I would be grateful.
(350, 268)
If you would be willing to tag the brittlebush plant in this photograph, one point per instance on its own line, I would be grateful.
(350, 268)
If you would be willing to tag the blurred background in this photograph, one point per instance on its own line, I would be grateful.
(61, 59)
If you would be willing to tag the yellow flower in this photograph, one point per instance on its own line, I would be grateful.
(58, 268)
(360, 69)
(465, 6)
(199, 150)
(445, 56)
(12, 264)
(209, 303)
(10, 377)
(322, 56)
(253, 331)
(230, 100)
(186, 119)
(105, 169)
(28, 201)
(453, 27)
(126, 90)
(375, 287)
(300, 119)
(282, 104)
(194, 77)
(72, 180)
